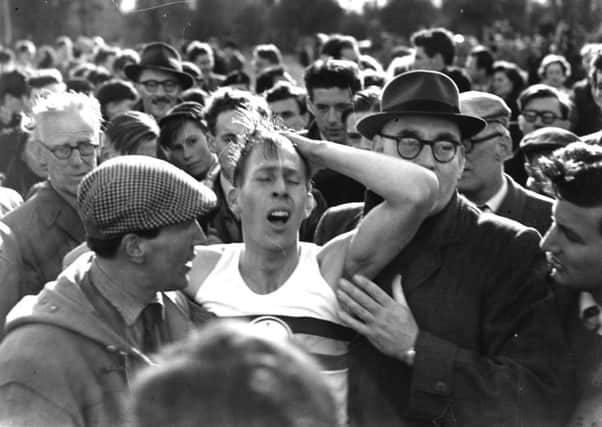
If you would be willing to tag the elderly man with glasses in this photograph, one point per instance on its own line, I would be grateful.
(459, 329)
(47, 226)
(483, 180)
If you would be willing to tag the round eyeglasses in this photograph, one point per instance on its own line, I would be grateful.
(64, 152)
(471, 142)
(409, 147)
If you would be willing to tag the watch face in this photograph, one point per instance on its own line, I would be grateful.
(272, 327)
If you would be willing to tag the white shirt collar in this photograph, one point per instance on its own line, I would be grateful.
(496, 200)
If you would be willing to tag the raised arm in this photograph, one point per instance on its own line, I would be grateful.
(409, 192)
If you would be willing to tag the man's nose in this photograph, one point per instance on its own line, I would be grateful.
(333, 115)
(548, 241)
(76, 158)
(426, 158)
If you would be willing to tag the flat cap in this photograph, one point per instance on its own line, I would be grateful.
(547, 138)
(137, 193)
(487, 106)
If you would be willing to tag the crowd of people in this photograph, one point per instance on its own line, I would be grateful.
(412, 243)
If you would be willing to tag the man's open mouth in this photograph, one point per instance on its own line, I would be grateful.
(278, 216)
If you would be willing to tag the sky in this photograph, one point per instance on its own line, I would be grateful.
(357, 5)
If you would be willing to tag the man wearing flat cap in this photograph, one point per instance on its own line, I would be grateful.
(539, 145)
(483, 180)
(159, 78)
(458, 329)
(70, 350)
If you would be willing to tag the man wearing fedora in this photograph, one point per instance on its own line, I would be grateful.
(483, 180)
(159, 78)
(71, 350)
(458, 329)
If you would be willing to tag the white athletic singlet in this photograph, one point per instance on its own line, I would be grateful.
(304, 308)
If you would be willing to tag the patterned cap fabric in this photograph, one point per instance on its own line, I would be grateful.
(137, 193)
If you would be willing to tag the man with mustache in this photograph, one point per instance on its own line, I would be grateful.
(159, 78)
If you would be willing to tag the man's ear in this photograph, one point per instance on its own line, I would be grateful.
(503, 149)
(310, 204)
(134, 247)
(211, 142)
(233, 203)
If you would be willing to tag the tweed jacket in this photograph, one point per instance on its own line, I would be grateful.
(43, 230)
(490, 348)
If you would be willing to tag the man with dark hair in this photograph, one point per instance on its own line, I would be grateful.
(70, 351)
(435, 50)
(573, 246)
(159, 78)
(270, 76)
(125, 58)
(538, 145)
(479, 66)
(116, 97)
(131, 132)
(289, 103)
(202, 55)
(483, 180)
(541, 106)
(330, 86)
(459, 328)
(184, 138)
(237, 79)
(230, 375)
(339, 46)
(265, 56)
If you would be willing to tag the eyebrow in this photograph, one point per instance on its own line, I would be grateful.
(439, 137)
(569, 231)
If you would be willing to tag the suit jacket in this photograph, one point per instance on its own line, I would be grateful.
(42, 231)
(587, 113)
(526, 206)
(490, 351)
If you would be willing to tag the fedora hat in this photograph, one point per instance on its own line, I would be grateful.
(422, 93)
(160, 56)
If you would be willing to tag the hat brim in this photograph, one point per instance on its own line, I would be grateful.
(370, 125)
(132, 72)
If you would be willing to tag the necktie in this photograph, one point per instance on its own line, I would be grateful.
(151, 321)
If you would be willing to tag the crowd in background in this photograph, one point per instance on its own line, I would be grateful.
(70, 109)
